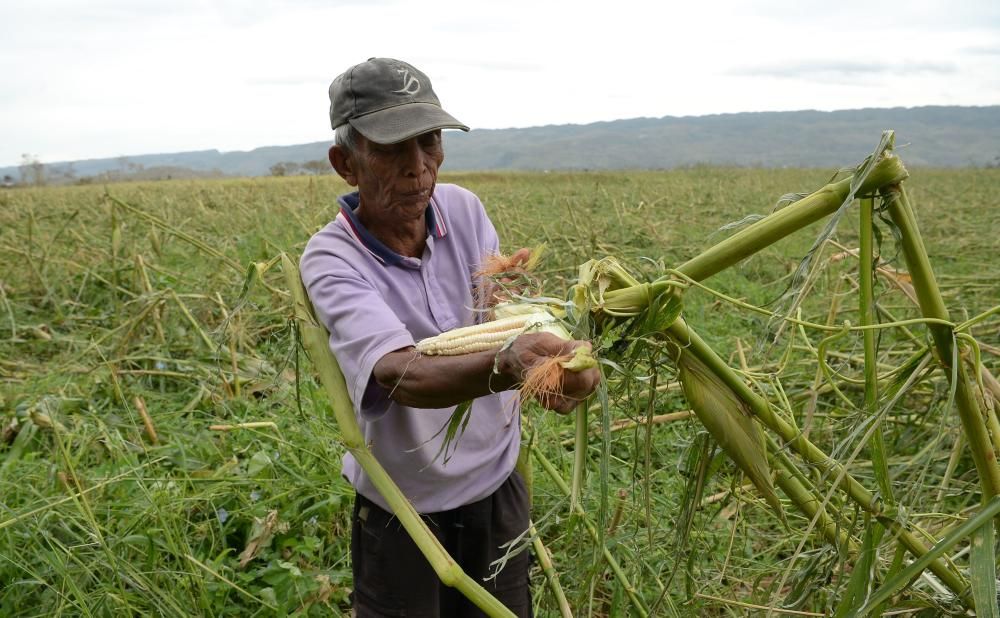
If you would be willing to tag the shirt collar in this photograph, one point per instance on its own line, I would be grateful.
(350, 202)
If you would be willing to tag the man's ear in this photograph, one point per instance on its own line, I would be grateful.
(341, 162)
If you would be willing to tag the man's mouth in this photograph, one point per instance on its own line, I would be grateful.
(419, 194)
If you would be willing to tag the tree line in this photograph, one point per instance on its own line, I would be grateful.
(291, 168)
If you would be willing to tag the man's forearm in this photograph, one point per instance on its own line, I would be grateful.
(441, 381)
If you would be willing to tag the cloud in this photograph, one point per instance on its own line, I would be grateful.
(983, 50)
(824, 69)
(284, 81)
(101, 77)
(240, 14)
(931, 16)
(491, 65)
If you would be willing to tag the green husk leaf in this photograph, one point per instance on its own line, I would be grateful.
(582, 359)
(726, 417)
(663, 311)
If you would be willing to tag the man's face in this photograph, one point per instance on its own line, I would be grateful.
(397, 180)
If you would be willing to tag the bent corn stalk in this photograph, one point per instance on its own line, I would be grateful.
(315, 340)
(793, 438)
(932, 306)
(888, 169)
(722, 418)
(884, 176)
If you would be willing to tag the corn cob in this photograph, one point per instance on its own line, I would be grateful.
(482, 337)
(730, 422)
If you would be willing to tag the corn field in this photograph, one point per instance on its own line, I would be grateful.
(798, 412)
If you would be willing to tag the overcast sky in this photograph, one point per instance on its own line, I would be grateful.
(104, 78)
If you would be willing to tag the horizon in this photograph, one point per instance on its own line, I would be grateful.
(475, 129)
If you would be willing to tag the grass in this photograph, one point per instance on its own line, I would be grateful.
(101, 304)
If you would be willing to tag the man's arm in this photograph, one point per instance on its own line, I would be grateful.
(422, 381)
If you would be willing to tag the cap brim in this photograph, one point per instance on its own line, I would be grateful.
(399, 123)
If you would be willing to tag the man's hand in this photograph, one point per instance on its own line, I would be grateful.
(531, 349)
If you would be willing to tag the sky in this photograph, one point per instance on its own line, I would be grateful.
(109, 78)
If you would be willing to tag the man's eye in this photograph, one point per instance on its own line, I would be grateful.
(429, 139)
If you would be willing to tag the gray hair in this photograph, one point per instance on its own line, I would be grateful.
(346, 137)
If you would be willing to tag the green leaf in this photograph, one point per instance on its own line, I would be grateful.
(663, 311)
(457, 423)
(291, 568)
(863, 576)
(267, 594)
(983, 572)
(907, 575)
(696, 468)
(258, 464)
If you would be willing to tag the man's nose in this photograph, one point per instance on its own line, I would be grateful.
(412, 157)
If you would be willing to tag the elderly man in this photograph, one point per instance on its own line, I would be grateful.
(395, 266)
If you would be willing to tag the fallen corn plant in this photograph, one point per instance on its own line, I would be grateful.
(627, 319)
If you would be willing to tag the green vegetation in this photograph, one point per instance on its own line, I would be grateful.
(165, 449)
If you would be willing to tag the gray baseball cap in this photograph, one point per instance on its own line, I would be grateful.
(387, 101)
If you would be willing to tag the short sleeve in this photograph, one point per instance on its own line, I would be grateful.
(362, 327)
(488, 238)
(487, 241)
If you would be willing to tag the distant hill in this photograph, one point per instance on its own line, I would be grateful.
(926, 136)
(936, 136)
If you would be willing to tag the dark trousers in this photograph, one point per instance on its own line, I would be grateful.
(392, 577)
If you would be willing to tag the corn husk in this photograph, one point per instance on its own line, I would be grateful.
(595, 278)
(500, 276)
(728, 420)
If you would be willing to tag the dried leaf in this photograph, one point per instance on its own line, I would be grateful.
(260, 537)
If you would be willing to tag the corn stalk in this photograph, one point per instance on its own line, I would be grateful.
(722, 413)
(932, 306)
(884, 173)
(831, 468)
(315, 339)
(885, 170)
(722, 399)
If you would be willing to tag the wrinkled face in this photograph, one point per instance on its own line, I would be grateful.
(396, 180)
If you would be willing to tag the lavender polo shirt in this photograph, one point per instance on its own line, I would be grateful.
(375, 301)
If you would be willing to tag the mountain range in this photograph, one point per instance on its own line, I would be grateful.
(936, 136)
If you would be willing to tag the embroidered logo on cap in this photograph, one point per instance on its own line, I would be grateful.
(411, 85)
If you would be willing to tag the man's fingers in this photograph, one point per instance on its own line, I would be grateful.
(531, 348)
(582, 383)
(566, 406)
(558, 403)
(521, 256)
(577, 386)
